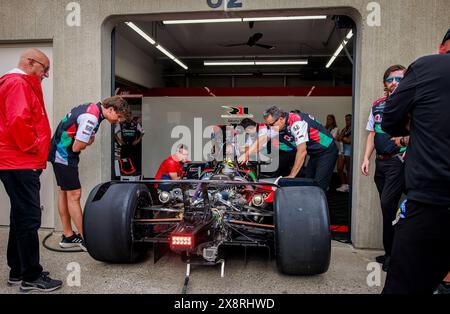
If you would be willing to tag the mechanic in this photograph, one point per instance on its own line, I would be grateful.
(24, 144)
(389, 171)
(297, 135)
(75, 133)
(251, 130)
(172, 167)
(129, 134)
(420, 253)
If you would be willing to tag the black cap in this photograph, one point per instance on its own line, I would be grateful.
(446, 37)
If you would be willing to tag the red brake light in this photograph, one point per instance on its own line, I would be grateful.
(181, 241)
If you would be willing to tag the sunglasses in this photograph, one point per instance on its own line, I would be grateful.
(46, 67)
(273, 123)
(391, 79)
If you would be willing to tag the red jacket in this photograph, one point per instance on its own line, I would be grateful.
(24, 126)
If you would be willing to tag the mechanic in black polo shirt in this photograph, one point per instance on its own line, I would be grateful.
(129, 134)
(389, 172)
(421, 250)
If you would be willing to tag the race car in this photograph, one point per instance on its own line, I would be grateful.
(225, 205)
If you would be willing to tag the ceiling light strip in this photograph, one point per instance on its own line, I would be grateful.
(339, 49)
(181, 64)
(164, 51)
(246, 19)
(268, 62)
(227, 63)
(283, 18)
(202, 21)
(300, 62)
(158, 46)
(141, 32)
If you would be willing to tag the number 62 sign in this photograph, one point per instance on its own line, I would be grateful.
(230, 4)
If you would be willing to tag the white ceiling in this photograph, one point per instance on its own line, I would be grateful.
(315, 40)
(292, 38)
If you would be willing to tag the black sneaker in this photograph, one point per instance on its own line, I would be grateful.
(82, 244)
(386, 263)
(15, 281)
(380, 259)
(44, 284)
(69, 242)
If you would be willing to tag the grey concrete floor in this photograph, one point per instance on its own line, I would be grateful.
(347, 274)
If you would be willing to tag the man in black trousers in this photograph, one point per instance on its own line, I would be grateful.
(24, 145)
(421, 250)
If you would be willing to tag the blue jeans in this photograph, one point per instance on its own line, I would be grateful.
(165, 186)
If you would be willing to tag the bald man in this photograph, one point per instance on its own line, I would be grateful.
(24, 147)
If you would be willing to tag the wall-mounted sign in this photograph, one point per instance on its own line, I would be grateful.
(226, 4)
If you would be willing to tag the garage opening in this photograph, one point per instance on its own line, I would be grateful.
(182, 77)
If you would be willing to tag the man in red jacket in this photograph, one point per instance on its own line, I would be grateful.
(24, 146)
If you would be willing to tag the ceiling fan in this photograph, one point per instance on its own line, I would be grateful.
(252, 41)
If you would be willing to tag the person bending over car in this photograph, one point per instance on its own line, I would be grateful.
(75, 133)
(298, 134)
(172, 167)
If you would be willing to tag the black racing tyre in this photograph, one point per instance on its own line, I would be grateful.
(302, 230)
(107, 221)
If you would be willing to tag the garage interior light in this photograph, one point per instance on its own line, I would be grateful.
(157, 45)
(141, 32)
(201, 21)
(284, 18)
(267, 62)
(247, 19)
(341, 46)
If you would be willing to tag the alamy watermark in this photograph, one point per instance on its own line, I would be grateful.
(374, 277)
(374, 17)
(73, 17)
(225, 142)
(73, 279)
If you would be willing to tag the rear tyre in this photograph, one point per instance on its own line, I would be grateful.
(108, 221)
(302, 230)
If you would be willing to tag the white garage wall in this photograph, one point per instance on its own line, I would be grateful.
(9, 56)
(161, 114)
(136, 66)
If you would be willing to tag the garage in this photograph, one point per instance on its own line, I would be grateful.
(183, 76)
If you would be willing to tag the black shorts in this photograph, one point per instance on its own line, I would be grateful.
(67, 177)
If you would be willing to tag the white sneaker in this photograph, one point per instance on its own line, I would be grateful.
(344, 188)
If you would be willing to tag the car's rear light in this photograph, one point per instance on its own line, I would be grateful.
(182, 241)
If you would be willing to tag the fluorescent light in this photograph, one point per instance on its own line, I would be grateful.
(339, 49)
(247, 19)
(291, 62)
(330, 62)
(233, 20)
(164, 51)
(158, 46)
(284, 18)
(180, 63)
(219, 63)
(267, 62)
(349, 35)
(141, 32)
